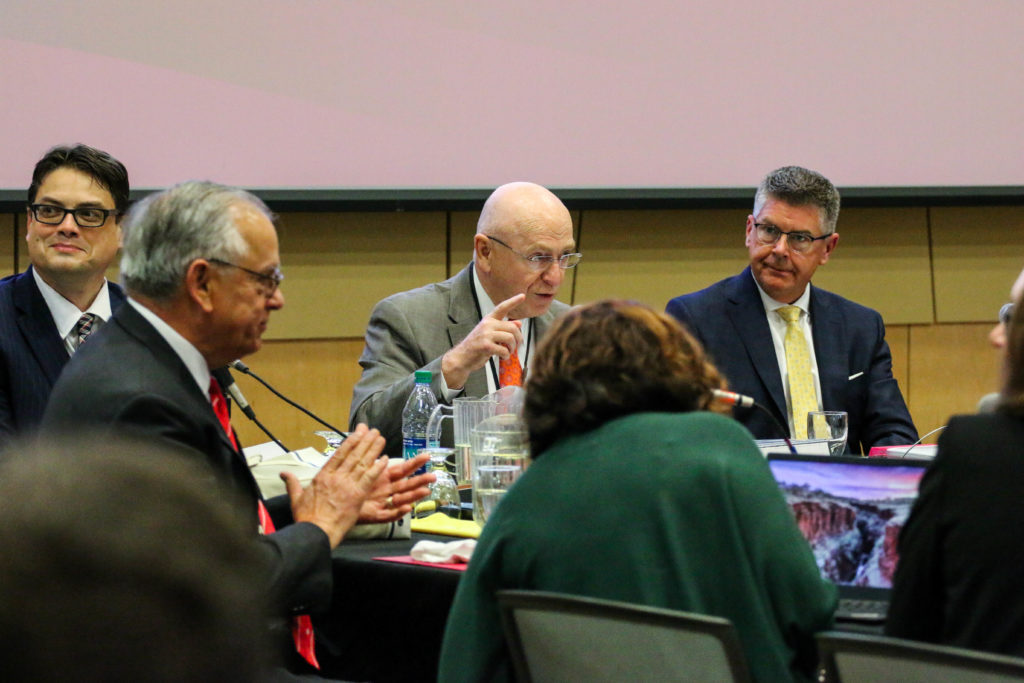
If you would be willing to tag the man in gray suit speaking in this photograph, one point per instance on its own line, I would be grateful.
(480, 326)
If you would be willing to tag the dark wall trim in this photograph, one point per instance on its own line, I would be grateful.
(471, 199)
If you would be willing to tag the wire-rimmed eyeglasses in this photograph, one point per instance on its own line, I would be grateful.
(799, 241)
(269, 282)
(1005, 313)
(541, 262)
(85, 216)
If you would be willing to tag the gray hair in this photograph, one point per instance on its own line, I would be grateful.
(167, 231)
(801, 187)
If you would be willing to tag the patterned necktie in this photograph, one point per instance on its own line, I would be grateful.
(803, 398)
(510, 372)
(84, 327)
(302, 626)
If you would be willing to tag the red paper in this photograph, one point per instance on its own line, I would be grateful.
(407, 559)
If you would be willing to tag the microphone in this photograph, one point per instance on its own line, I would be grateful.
(989, 403)
(243, 368)
(227, 383)
(731, 398)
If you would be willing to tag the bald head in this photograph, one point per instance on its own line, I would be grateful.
(520, 220)
(521, 206)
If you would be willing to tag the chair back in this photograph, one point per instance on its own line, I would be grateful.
(856, 658)
(556, 637)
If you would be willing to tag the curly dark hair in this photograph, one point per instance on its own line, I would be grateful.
(609, 359)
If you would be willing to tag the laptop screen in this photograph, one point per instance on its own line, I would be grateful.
(851, 511)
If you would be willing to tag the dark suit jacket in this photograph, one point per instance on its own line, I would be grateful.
(958, 581)
(849, 339)
(410, 331)
(32, 354)
(128, 379)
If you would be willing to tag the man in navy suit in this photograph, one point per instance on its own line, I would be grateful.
(75, 203)
(790, 233)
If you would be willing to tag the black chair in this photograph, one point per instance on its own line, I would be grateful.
(856, 658)
(556, 637)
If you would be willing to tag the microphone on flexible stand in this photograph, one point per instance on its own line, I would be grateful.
(243, 368)
(227, 383)
(733, 399)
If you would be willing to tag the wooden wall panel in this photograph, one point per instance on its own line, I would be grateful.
(882, 261)
(951, 367)
(8, 243)
(339, 265)
(977, 253)
(652, 256)
(317, 374)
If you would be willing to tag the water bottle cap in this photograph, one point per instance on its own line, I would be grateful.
(424, 376)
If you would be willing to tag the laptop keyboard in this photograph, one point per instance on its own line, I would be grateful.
(862, 610)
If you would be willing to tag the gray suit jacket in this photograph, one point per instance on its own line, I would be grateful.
(410, 331)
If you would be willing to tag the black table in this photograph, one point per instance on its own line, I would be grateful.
(386, 620)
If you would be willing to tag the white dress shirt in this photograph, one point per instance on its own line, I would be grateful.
(66, 314)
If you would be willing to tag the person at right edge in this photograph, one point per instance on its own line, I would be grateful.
(637, 491)
(792, 347)
(958, 581)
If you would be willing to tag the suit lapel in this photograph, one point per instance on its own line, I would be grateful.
(35, 322)
(827, 331)
(746, 313)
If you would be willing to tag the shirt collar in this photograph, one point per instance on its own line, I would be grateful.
(770, 304)
(65, 314)
(188, 353)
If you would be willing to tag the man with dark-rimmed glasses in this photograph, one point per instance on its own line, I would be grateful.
(476, 331)
(75, 203)
(796, 348)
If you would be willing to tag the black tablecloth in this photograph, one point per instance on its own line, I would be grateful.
(386, 620)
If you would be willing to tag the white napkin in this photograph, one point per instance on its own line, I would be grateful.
(436, 551)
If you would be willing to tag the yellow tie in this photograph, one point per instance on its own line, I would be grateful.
(802, 397)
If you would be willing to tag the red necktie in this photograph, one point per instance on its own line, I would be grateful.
(302, 626)
(510, 372)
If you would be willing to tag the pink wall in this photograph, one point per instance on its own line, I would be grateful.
(377, 93)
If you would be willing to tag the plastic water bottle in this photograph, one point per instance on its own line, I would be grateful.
(416, 415)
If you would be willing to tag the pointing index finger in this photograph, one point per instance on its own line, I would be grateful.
(502, 309)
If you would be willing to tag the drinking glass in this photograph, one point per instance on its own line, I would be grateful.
(830, 425)
(444, 494)
(500, 452)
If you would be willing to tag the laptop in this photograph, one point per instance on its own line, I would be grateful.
(851, 511)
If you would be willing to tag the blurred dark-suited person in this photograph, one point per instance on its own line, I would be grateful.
(477, 330)
(201, 267)
(958, 578)
(103, 579)
(793, 347)
(638, 491)
(997, 338)
(75, 203)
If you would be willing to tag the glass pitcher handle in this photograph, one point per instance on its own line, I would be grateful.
(437, 417)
